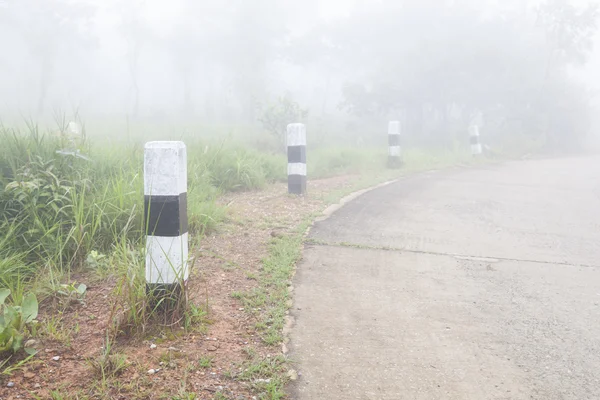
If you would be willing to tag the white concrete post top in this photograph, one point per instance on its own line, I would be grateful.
(165, 168)
(474, 130)
(296, 135)
(74, 128)
(394, 128)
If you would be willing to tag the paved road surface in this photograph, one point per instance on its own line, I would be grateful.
(473, 284)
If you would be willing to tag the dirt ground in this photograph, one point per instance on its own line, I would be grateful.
(227, 261)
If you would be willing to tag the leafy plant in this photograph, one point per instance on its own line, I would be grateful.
(16, 322)
(205, 362)
(96, 260)
(72, 292)
(108, 364)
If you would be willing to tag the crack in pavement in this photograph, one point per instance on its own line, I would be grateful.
(437, 253)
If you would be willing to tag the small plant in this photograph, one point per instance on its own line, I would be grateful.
(17, 322)
(54, 328)
(205, 362)
(96, 260)
(108, 365)
(58, 395)
(266, 373)
(220, 396)
(196, 318)
(185, 396)
(72, 292)
(250, 352)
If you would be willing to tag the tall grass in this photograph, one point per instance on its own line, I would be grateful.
(331, 161)
(57, 208)
(61, 211)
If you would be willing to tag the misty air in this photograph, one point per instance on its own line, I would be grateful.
(304, 200)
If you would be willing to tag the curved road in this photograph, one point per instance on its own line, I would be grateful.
(474, 284)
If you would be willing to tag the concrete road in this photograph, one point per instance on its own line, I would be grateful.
(473, 284)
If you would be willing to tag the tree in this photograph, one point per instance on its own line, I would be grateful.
(255, 37)
(191, 45)
(569, 31)
(276, 117)
(48, 28)
(136, 32)
(436, 62)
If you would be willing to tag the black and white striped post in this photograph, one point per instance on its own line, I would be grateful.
(165, 210)
(296, 149)
(395, 149)
(476, 148)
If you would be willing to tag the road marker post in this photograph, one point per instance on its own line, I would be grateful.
(395, 149)
(296, 150)
(165, 218)
(476, 148)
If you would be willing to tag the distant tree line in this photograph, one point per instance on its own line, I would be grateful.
(444, 64)
(438, 65)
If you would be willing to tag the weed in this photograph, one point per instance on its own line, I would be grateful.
(205, 362)
(108, 364)
(57, 395)
(196, 318)
(262, 368)
(267, 374)
(16, 321)
(169, 358)
(220, 396)
(72, 292)
(54, 328)
(251, 276)
(10, 369)
(269, 300)
(185, 396)
(96, 261)
(249, 352)
(237, 295)
(272, 390)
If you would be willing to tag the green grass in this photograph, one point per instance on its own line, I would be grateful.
(56, 209)
(269, 299)
(54, 328)
(332, 161)
(61, 215)
(266, 375)
(205, 362)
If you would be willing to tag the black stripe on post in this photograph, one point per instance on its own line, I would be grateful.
(296, 151)
(297, 154)
(394, 140)
(474, 140)
(166, 215)
(297, 184)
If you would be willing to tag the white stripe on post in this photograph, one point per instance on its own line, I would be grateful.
(474, 139)
(296, 149)
(165, 215)
(296, 169)
(395, 149)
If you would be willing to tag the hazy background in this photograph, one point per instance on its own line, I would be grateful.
(521, 69)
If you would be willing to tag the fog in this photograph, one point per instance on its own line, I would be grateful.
(521, 68)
